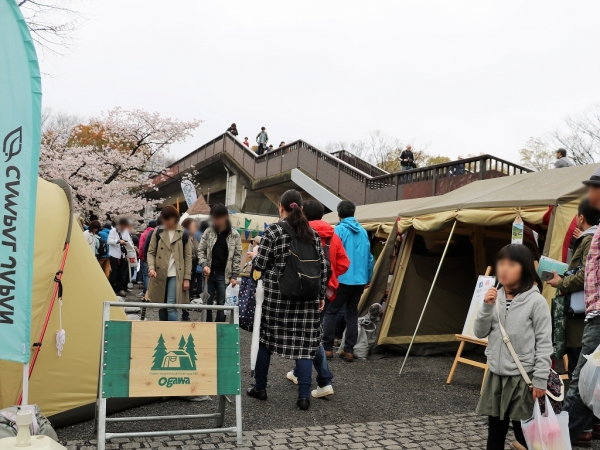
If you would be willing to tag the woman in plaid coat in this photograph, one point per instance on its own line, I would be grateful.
(289, 328)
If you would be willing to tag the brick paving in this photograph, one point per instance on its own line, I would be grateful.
(458, 431)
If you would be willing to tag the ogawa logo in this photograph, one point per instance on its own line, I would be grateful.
(169, 382)
(182, 358)
(13, 143)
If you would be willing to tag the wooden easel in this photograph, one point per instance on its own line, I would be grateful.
(460, 359)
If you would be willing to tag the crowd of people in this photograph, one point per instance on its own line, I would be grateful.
(313, 273)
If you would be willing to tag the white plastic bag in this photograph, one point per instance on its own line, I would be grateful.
(547, 432)
(231, 296)
(260, 296)
(589, 381)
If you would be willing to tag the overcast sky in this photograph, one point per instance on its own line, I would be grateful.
(463, 76)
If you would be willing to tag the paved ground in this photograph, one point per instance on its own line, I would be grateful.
(373, 407)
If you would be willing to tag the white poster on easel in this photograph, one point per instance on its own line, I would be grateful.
(483, 284)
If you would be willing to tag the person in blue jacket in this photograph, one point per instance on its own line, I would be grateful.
(352, 283)
(104, 259)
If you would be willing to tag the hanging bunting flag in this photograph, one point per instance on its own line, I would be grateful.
(266, 225)
(247, 233)
(247, 221)
(254, 234)
(20, 136)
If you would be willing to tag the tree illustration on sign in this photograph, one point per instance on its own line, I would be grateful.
(181, 342)
(160, 351)
(190, 348)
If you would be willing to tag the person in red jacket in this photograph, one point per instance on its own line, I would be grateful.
(331, 243)
(339, 264)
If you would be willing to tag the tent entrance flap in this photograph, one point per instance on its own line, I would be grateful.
(428, 296)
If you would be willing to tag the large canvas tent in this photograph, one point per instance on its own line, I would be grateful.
(484, 211)
(62, 384)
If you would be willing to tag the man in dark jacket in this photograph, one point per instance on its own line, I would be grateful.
(407, 159)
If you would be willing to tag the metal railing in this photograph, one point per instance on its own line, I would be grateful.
(359, 163)
(342, 178)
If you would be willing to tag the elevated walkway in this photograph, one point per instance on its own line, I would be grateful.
(343, 175)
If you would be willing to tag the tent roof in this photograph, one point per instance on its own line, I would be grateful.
(386, 212)
(199, 207)
(544, 188)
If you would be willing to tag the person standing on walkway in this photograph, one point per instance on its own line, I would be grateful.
(289, 328)
(519, 307)
(561, 159)
(233, 129)
(262, 139)
(169, 264)
(91, 236)
(337, 264)
(104, 259)
(352, 283)
(142, 256)
(191, 226)
(580, 416)
(220, 255)
(118, 238)
(246, 143)
(407, 159)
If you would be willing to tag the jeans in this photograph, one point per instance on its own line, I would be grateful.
(405, 168)
(324, 375)
(261, 149)
(145, 276)
(169, 314)
(497, 430)
(580, 416)
(119, 274)
(216, 284)
(197, 284)
(261, 372)
(348, 295)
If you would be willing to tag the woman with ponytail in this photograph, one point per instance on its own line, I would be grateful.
(289, 328)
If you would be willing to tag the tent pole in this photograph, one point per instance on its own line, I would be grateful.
(428, 296)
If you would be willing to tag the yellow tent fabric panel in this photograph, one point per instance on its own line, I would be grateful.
(484, 217)
(62, 383)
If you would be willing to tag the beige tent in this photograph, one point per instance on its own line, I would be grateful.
(60, 384)
(484, 211)
(381, 217)
(199, 207)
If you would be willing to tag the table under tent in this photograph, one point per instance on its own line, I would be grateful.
(483, 212)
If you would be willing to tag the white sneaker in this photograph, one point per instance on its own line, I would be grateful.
(322, 391)
(293, 378)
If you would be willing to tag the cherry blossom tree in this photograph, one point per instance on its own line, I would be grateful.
(109, 160)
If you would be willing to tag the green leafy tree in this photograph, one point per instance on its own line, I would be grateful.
(160, 351)
(537, 154)
(181, 343)
(190, 348)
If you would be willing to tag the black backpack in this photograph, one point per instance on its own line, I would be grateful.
(300, 279)
(102, 248)
(184, 238)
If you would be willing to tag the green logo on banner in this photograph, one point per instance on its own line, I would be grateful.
(182, 358)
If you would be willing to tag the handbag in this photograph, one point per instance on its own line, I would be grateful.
(555, 389)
